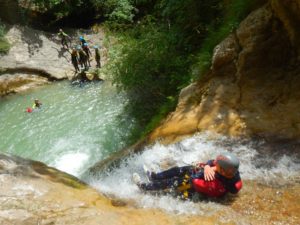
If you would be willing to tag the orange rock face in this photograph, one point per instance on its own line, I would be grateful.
(252, 88)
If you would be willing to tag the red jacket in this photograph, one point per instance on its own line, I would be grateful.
(219, 186)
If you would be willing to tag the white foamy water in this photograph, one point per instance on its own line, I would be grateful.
(199, 148)
(72, 163)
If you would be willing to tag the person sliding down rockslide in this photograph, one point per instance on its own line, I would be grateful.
(213, 179)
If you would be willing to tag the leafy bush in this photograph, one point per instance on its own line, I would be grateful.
(58, 7)
(150, 69)
(117, 11)
(152, 60)
(4, 45)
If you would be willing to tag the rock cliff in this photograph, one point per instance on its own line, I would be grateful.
(252, 87)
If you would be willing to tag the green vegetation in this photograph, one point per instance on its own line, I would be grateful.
(168, 48)
(118, 12)
(4, 45)
(160, 46)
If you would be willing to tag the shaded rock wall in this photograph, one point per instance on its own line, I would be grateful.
(9, 11)
(252, 88)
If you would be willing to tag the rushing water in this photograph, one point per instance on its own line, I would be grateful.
(265, 168)
(76, 126)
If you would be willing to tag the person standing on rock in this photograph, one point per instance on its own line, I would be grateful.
(64, 38)
(75, 60)
(97, 56)
(82, 58)
(88, 52)
(82, 41)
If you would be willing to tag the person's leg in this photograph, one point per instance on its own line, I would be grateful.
(156, 185)
(85, 63)
(98, 62)
(64, 42)
(173, 172)
(76, 67)
(81, 62)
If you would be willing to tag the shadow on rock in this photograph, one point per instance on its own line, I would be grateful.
(19, 167)
(32, 39)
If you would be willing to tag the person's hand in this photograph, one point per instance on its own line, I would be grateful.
(209, 173)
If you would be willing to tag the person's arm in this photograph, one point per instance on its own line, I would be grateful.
(209, 169)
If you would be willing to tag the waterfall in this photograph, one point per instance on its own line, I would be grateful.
(265, 168)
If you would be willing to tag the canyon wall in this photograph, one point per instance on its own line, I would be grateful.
(252, 87)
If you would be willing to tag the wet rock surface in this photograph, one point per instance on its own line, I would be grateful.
(19, 83)
(36, 49)
(32, 193)
(249, 91)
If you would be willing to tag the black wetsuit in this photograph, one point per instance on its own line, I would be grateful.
(74, 59)
(175, 176)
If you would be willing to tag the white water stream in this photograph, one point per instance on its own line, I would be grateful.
(202, 147)
(78, 126)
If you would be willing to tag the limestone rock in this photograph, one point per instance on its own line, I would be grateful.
(252, 88)
(36, 194)
(36, 49)
(19, 82)
(40, 53)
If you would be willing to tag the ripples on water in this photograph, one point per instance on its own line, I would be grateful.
(76, 126)
(79, 126)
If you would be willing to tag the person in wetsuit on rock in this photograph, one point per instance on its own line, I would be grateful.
(97, 56)
(83, 58)
(213, 179)
(75, 59)
(88, 53)
(64, 38)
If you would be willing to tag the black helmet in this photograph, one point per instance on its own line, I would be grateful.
(228, 162)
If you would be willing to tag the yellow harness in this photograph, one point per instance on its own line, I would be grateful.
(185, 186)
